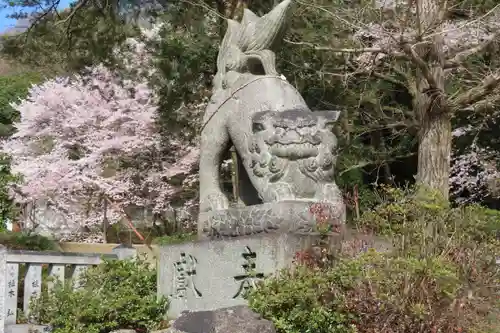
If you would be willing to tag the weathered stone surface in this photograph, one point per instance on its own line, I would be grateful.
(27, 328)
(236, 319)
(207, 275)
(285, 151)
(166, 330)
(286, 216)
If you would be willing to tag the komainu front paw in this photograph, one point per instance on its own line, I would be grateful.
(279, 192)
(214, 201)
(328, 193)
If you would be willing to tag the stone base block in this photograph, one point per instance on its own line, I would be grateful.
(211, 274)
(237, 319)
(27, 328)
(207, 275)
(285, 216)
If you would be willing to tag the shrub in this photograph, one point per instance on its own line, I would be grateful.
(440, 277)
(363, 295)
(305, 300)
(24, 241)
(115, 295)
(403, 212)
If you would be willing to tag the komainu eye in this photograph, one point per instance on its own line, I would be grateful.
(257, 127)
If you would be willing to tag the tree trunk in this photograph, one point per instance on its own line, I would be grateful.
(434, 154)
(431, 103)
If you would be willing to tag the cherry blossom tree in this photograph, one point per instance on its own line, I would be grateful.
(88, 140)
(475, 173)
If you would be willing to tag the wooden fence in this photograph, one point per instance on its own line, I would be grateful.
(59, 264)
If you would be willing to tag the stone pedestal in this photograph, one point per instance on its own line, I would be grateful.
(293, 216)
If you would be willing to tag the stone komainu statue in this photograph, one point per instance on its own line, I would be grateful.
(286, 152)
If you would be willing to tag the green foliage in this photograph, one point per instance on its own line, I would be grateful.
(465, 6)
(370, 104)
(186, 59)
(8, 211)
(175, 238)
(116, 294)
(24, 241)
(12, 88)
(422, 213)
(440, 276)
(301, 301)
(358, 293)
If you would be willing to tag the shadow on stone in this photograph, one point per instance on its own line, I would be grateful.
(236, 319)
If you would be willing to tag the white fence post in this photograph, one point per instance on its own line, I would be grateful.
(3, 287)
(123, 252)
(56, 273)
(12, 285)
(78, 271)
(32, 285)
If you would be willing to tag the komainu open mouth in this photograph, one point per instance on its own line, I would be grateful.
(294, 151)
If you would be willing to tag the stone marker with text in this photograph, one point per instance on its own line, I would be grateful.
(213, 274)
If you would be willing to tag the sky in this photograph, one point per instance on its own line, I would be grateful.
(8, 23)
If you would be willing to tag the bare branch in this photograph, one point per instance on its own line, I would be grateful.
(339, 50)
(478, 93)
(460, 57)
(388, 78)
(489, 104)
(39, 18)
(468, 23)
(377, 74)
(73, 12)
(421, 64)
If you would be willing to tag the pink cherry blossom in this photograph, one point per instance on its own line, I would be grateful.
(91, 136)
